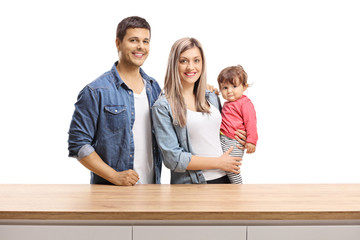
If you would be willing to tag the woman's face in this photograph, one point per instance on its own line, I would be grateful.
(190, 66)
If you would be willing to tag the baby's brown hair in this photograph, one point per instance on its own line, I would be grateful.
(231, 74)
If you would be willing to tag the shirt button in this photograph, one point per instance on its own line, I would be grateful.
(130, 92)
(115, 110)
(131, 155)
(132, 113)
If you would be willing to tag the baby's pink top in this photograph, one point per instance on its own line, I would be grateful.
(239, 114)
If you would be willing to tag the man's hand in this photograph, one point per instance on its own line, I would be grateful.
(125, 178)
(94, 163)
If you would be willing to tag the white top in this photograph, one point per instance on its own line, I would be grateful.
(143, 159)
(204, 134)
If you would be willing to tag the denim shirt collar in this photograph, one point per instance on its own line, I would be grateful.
(118, 81)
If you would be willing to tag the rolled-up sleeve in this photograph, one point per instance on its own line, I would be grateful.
(174, 156)
(83, 124)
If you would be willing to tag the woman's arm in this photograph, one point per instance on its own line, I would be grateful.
(224, 162)
(175, 154)
(175, 157)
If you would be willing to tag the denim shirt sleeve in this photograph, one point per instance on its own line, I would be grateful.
(174, 155)
(83, 124)
(213, 99)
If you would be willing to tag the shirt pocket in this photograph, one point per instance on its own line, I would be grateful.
(115, 117)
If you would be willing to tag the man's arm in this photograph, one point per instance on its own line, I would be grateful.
(94, 163)
(81, 134)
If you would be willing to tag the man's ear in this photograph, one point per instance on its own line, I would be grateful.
(118, 44)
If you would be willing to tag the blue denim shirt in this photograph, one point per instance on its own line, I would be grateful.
(174, 141)
(103, 120)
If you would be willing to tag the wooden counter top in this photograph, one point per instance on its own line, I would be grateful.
(181, 202)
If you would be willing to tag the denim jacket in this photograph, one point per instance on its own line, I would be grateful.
(174, 142)
(102, 121)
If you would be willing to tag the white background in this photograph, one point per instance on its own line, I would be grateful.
(303, 58)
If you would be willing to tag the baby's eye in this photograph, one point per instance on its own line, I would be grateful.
(225, 88)
(235, 86)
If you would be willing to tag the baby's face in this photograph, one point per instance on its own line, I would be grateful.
(231, 92)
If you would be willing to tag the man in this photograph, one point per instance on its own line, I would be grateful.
(111, 128)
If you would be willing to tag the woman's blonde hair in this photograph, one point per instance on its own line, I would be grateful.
(173, 87)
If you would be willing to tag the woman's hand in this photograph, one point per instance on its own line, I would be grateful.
(240, 136)
(211, 88)
(229, 163)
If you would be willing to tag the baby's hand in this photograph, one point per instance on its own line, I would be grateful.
(250, 148)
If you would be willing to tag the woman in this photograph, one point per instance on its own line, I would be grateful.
(187, 120)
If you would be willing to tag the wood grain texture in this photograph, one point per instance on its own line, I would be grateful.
(181, 202)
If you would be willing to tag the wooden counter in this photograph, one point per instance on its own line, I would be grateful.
(181, 202)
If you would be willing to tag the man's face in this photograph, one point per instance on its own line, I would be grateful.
(135, 47)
